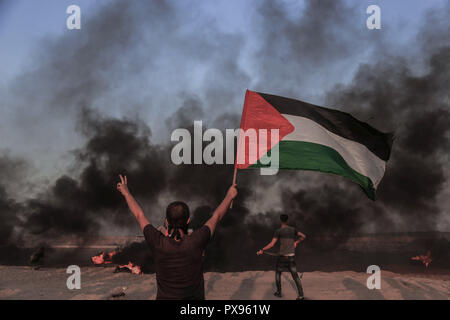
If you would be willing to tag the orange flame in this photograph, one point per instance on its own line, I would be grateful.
(425, 259)
(135, 269)
(103, 258)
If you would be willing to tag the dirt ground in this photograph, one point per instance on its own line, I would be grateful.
(102, 283)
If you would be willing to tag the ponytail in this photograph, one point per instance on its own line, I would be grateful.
(177, 215)
(176, 232)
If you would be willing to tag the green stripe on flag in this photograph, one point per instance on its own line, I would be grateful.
(300, 155)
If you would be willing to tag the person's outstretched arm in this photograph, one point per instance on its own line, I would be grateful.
(221, 209)
(132, 203)
(269, 246)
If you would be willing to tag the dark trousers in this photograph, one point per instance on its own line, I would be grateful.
(287, 263)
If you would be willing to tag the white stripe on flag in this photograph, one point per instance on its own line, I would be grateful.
(357, 156)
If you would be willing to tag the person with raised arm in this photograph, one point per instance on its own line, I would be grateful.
(177, 254)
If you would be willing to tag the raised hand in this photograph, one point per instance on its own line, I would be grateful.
(232, 192)
(122, 186)
(132, 203)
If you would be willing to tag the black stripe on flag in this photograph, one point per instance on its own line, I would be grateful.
(338, 122)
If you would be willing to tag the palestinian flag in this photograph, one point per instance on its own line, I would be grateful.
(315, 138)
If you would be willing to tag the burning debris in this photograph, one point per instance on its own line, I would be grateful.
(106, 258)
(425, 259)
(130, 268)
(103, 258)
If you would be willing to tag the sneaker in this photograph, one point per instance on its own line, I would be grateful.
(277, 294)
(300, 298)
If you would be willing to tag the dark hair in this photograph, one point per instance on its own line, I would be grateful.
(177, 215)
(284, 218)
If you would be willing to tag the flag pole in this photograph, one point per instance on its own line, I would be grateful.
(239, 140)
(234, 182)
(234, 176)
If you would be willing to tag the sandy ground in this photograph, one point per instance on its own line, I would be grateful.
(101, 283)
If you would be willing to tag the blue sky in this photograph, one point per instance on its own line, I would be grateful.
(25, 22)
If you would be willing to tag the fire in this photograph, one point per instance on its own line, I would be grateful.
(425, 259)
(106, 258)
(135, 269)
(103, 258)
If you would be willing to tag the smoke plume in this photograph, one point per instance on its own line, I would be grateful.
(110, 96)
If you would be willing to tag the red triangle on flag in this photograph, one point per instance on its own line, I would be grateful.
(258, 115)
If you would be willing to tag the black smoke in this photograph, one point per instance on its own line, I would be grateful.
(76, 205)
(78, 81)
(417, 106)
(12, 170)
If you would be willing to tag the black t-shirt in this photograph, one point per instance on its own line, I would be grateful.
(287, 236)
(179, 269)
